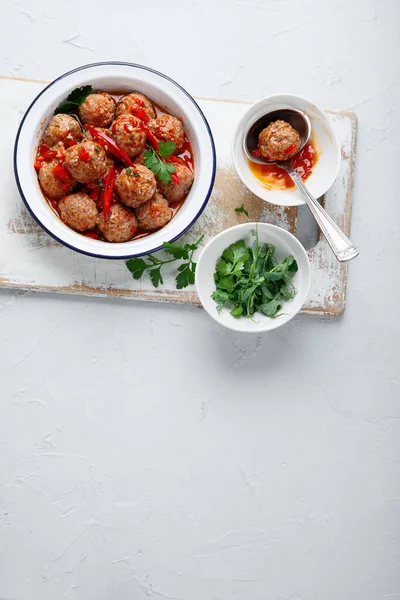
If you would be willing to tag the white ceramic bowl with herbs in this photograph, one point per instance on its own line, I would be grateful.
(253, 277)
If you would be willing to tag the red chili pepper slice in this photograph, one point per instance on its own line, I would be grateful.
(256, 152)
(84, 155)
(110, 145)
(92, 234)
(71, 143)
(93, 191)
(46, 153)
(152, 138)
(108, 191)
(175, 178)
(61, 172)
(140, 113)
(176, 160)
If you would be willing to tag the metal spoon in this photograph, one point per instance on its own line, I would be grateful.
(342, 247)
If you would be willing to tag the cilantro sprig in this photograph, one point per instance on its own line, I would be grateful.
(251, 279)
(74, 99)
(241, 209)
(186, 270)
(153, 160)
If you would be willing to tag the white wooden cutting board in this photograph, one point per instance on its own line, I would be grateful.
(30, 259)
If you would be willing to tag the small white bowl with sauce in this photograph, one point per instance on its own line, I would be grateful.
(271, 183)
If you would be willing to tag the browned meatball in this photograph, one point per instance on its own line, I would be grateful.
(129, 133)
(135, 185)
(130, 103)
(278, 141)
(52, 185)
(78, 211)
(154, 214)
(168, 128)
(87, 161)
(174, 192)
(120, 225)
(62, 128)
(98, 109)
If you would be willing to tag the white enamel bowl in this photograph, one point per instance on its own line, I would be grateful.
(286, 244)
(124, 77)
(325, 142)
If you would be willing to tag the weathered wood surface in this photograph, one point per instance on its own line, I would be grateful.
(30, 259)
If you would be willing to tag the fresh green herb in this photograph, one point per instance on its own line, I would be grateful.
(153, 160)
(251, 279)
(97, 148)
(186, 270)
(241, 209)
(74, 99)
(165, 149)
(129, 171)
(136, 174)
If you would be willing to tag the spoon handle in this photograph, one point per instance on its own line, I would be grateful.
(342, 247)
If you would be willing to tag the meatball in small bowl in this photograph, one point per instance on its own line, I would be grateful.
(99, 160)
(318, 162)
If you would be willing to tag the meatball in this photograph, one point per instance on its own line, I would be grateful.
(52, 185)
(129, 133)
(98, 109)
(62, 128)
(78, 211)
(131, 103)
(87, 161)
(278, 141)
(120, 225)
(135, 185)
(168, 128)
(174, 192)
(154, 214)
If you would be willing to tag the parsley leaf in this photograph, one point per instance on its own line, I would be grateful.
(186, 270)
(74, 99)
(185, 276)
(162, 170)
(251, 279)
(165, 149)
(136, 266)
(156, 277)
(241, 209)
(176, 251)
(79, 95)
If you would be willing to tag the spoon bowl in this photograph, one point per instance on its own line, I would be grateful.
(296, 118)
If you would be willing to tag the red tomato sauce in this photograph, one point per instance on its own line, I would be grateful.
(274, 177)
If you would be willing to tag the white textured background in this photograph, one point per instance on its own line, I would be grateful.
(144, 451)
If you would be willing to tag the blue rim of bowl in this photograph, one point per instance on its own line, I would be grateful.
(124, 256)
